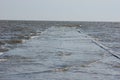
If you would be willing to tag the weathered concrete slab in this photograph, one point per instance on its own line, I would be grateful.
(59, 53)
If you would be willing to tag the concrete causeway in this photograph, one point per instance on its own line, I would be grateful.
(59, 53)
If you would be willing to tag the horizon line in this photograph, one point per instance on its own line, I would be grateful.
(56, 20)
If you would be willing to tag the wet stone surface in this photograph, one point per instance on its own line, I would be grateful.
(59, 53)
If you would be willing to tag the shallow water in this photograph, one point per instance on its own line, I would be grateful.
(106, 33)
(56, 52)
(13, 32)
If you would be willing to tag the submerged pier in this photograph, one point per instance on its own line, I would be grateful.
(59, 53)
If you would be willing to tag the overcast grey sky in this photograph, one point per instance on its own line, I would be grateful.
(70, 10)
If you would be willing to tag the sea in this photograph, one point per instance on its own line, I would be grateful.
(13, 33)
(52, 50)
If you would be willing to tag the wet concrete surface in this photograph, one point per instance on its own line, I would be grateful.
(59, 53)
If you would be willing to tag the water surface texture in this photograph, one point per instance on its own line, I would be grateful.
(55, 51)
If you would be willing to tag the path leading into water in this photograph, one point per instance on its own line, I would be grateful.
(59, 53)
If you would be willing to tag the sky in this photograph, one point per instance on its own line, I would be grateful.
(60, 10)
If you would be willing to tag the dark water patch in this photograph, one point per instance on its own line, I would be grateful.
(13, 41)
(3, 49)
(2, 43)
